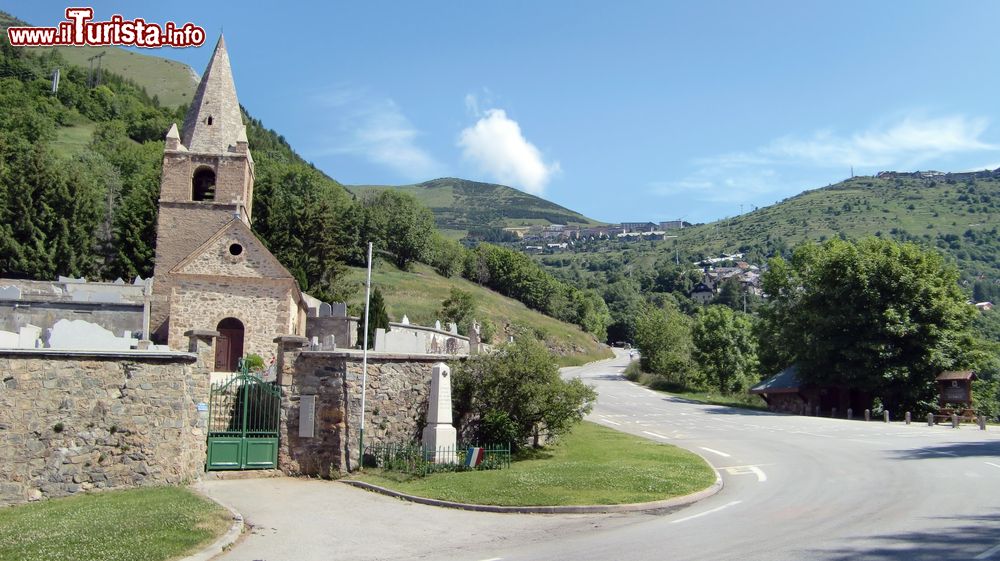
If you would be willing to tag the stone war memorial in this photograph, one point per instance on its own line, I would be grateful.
(139, 391)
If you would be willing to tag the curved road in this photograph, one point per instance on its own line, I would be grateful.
(795, 488)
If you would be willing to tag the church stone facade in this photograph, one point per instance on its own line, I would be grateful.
(211, 272)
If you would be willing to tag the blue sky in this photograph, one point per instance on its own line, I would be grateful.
(620, 110)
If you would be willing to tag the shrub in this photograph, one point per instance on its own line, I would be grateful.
(516, 395)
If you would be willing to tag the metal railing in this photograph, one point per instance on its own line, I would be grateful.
(416, 459)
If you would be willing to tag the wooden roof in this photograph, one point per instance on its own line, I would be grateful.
(957, 375)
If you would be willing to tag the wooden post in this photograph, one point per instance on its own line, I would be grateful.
(886, 416)
(954, 420)
(868, 415)
(930, 419)
(906, 417)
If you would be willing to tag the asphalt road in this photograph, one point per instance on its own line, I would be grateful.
(795, 488)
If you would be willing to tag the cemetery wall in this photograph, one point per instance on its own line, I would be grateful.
(324, 387)
(71, 421)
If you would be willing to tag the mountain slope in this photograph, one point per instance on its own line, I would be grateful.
(460, 205)
(957, 213)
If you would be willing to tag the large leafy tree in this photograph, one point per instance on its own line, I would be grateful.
(725, 348)
(663, 337)
(399, 224)
(876, 315)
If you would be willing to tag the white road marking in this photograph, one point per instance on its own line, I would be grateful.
(656, 435)
(992, 464)
(988, 553)
(723, 454)
(609, 421)
(493, 559)
(707, 512)
(746, 470)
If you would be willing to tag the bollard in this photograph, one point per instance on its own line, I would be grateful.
(954, 420)
(850, 413)
(833, 412)
(886, 416)
(930, 419)
(906, 417)
(868, 415)
(982, 422)
(817, 410)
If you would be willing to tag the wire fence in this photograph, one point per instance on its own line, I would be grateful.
(416, 459)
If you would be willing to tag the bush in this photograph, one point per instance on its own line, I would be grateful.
(516, 395)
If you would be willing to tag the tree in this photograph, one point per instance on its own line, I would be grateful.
(663, 337)
(378, 318)
(875, 315)
(517, 393)
(397, 222)
(459, 307)
(725, 348)
(445, 255)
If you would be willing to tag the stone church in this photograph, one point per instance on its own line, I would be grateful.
(212, 274)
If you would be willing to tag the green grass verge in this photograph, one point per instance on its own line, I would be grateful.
(653, 382)
(591, 465)
(137, 524)
(418, 294)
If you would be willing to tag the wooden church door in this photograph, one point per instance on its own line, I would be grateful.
(229, 345)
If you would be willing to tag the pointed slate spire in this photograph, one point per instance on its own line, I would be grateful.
(213, 122)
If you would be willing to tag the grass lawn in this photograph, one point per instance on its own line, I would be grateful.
(592, 465)
(137, 524)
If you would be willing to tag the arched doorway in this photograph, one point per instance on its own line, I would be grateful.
(229, 345)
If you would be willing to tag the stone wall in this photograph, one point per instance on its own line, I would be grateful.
(395, 405)
(73, 421)
(262, 305)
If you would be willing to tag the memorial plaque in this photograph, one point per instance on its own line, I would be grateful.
(307, 416)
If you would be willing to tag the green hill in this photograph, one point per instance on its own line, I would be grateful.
(173, 83)
(418, 294)
(461, 206)
(958, 213)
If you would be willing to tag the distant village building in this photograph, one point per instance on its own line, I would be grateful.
(672, 225)
(638, 227)
(702, 293)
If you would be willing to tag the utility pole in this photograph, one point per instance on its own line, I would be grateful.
(94, 79)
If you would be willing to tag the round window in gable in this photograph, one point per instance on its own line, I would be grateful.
(235, 249)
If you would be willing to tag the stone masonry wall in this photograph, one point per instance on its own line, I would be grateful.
(262, 306)
(395, 405)
(71, 422)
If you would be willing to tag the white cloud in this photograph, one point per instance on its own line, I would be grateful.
(909, 142)
(378, 130)
(789, 164)
(497, 147)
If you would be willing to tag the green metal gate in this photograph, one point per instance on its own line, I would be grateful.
(243, 416)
